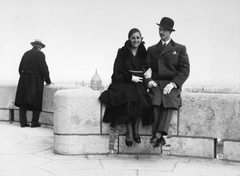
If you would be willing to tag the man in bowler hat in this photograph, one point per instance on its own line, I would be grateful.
(170, 68)
(33, 72)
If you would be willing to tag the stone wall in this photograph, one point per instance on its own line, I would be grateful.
(205, 126)
(7, 97)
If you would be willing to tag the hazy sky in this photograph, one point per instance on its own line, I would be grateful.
(84, 35)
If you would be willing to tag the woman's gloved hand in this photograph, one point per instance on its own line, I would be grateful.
(136, 79)
(148, 73)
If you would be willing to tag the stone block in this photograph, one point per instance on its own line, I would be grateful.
(143, 148)
(81, 144)
(77, 111)
(46, 118)
(192, 146)
(210, 115)
(48, 96)
(4, 114)
(231, 150)
(7, 94)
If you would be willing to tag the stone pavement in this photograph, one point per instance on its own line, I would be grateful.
(29, 152)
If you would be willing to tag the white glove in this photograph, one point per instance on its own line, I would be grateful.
(168, 88)
(152, 84)
(148, 73)
(136, 79)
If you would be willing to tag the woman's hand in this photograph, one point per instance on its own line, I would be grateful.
(152, 84)
(136, 79)
(148, 73)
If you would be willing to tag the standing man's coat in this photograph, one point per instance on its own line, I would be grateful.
(169, 64)
(33, 72)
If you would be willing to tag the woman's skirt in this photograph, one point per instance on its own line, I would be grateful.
(130, 112)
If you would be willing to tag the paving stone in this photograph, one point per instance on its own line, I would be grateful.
(97, 173)
(206, 169)
(81, 144)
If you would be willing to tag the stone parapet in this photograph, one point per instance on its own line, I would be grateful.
(8, 93)
(78, 129)
(210, 115)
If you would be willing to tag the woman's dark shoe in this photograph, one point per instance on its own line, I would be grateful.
(137, 139)
(128, 143)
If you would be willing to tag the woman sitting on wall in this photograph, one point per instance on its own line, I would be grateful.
(125, 98)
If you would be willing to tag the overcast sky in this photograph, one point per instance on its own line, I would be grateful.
(84, 35)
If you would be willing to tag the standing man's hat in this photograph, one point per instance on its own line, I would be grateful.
(167, 23)
(37, 42)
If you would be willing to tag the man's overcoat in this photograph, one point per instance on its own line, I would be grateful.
(168, 64)
(33, 72)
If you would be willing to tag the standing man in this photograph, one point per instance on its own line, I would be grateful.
(170, 68)
(33, 72)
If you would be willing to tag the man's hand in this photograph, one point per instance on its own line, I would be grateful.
(136, 79)
(168, 88)
(148, 73)
(152, 84)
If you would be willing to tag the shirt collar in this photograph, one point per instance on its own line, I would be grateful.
(166, 41)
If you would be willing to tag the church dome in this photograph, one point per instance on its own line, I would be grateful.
(96, 82)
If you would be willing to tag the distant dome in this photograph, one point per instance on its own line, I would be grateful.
(96, 82)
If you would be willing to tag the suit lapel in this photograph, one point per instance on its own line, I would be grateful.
(159, 47)
(167, 48)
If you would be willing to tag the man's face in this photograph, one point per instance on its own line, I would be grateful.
(164, 33)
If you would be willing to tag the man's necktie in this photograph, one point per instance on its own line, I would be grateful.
(164, 44)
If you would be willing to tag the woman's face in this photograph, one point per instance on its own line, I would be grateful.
(135, 39)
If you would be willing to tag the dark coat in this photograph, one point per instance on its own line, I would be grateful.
(33, 72)
(122, 89)
(170, 64)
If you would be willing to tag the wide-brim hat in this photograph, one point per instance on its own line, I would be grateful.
(167, 23)
(37, 42)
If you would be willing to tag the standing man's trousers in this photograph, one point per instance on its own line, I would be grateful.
(23, 115)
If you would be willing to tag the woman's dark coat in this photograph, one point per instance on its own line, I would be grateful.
(122, 89)
(33, 72)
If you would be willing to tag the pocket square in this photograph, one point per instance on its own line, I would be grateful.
(174, 52)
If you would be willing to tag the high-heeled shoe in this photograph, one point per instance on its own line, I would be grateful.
(128, 143)
(137, 139)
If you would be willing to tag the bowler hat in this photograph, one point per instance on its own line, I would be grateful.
(167, 23)
(37, 42)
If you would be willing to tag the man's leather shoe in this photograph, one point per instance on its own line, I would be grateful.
(162, 141)
(157, 142)
(25, 125)
(36, 125)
